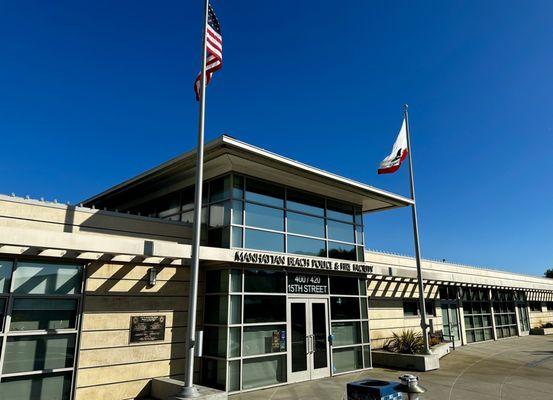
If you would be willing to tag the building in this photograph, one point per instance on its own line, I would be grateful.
(93, 298)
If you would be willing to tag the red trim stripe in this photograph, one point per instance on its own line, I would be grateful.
(393, 168)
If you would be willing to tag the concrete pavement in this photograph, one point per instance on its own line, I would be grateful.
(517, 368)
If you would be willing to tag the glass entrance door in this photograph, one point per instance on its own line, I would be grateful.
(308, 339)
(450, 320)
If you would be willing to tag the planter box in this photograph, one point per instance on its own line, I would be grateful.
(541, 331)
(411, 362)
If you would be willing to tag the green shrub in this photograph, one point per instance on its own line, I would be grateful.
(407, 342)
(548, 325)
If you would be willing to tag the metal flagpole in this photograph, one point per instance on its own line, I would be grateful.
(189, 390)
(424, 325)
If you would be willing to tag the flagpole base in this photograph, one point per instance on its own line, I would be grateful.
(187, 392)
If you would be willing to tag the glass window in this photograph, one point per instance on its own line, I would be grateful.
(265, 193)
(235, 309)
(346, 333)
(219, 214)
(237, 212)
(339, 211)
(5, 274)
(42, 278)
(263, 371)
(347, 359)
(38, 353)
(364, 308)
(264, 281)
(216, 281)
(341, 251)
(367, 356)
(237, 237)
(219, 189)
(344, 307)
(340, 231)
(535, 306)
(234, 342)
(233, 376)
(306, 246)
(235, 280)
(305, 202)
(343, 285)
(365, 331)
(41, 387)
(2, 313)
(214, 373)
(261, 240)
(264, 217)
(264, 339)
(410, 308)
(358, 216)
(264, 309)
(218, 237)
(168, 205)
(38, 314)
(238, 187)
(305, 224)
(215, 341)
(215, 309)
(429, 307)
(358, 234)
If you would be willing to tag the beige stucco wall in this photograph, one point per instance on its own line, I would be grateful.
(110, 367)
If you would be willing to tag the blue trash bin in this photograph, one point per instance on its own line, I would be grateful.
(372, 389)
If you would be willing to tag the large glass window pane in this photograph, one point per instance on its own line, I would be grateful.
(2, 312)
(264, 281)
(38, 387)
(367, 356)
(264, 339)
(343, 285)
(219, 189)
(215, 309)
(264, 217)
(264, 309)
(234, 342)
(341, 251)
(5, 274)
(344, 307)
(305, 224)
(35, 314)
(238, 187)
(238, 212)
(219, 215)
(340, 231)
(258, 372)
(304, 202)
(235, 280)
(261, 240)
(265, 193)
(237, 237)
(218, 237)
(347, 359)
(43, 278)
(346, 333)
(215, 341)
(235, 309)
(216, 281)
(306, 246)
(364, 308)
(365, 331)
(168, 206)
(214, 373)
(233, 376)
(38, 353)
(339, 211)
(358, 234)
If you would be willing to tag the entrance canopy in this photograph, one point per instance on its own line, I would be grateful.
(226, 154)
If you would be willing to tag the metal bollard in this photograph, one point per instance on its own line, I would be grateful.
(410, 385)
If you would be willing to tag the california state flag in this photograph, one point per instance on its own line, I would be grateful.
(392, 163)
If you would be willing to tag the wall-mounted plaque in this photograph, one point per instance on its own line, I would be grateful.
(147, 328)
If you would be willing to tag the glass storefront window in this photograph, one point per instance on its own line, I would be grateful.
(264, 371)
(214, 373)
(260, 308)
(216, 281)
(347, 359)
(264, 281)
(37, 353)
(346, 333)
(340, 231)
(305, 225)
(343, 285)
(5, 274)
(39, 314)
(264, 339)
(233, 376)
(235, 309)
(237, 237)
(344, 307)
(235, 280)
(215, 309)
(342, 251)
(43, 278)
(265, 193)
(306, 246)
(261, 240)
(215, 341)
(264, 217)
(39, 387)
(234, 342)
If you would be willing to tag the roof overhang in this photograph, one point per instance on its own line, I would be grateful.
(226, 154)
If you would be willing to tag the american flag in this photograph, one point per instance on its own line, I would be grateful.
(214, 43)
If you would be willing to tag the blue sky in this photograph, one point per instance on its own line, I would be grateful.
(94, 92)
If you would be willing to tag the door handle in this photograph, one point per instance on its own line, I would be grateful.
(312, 344)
